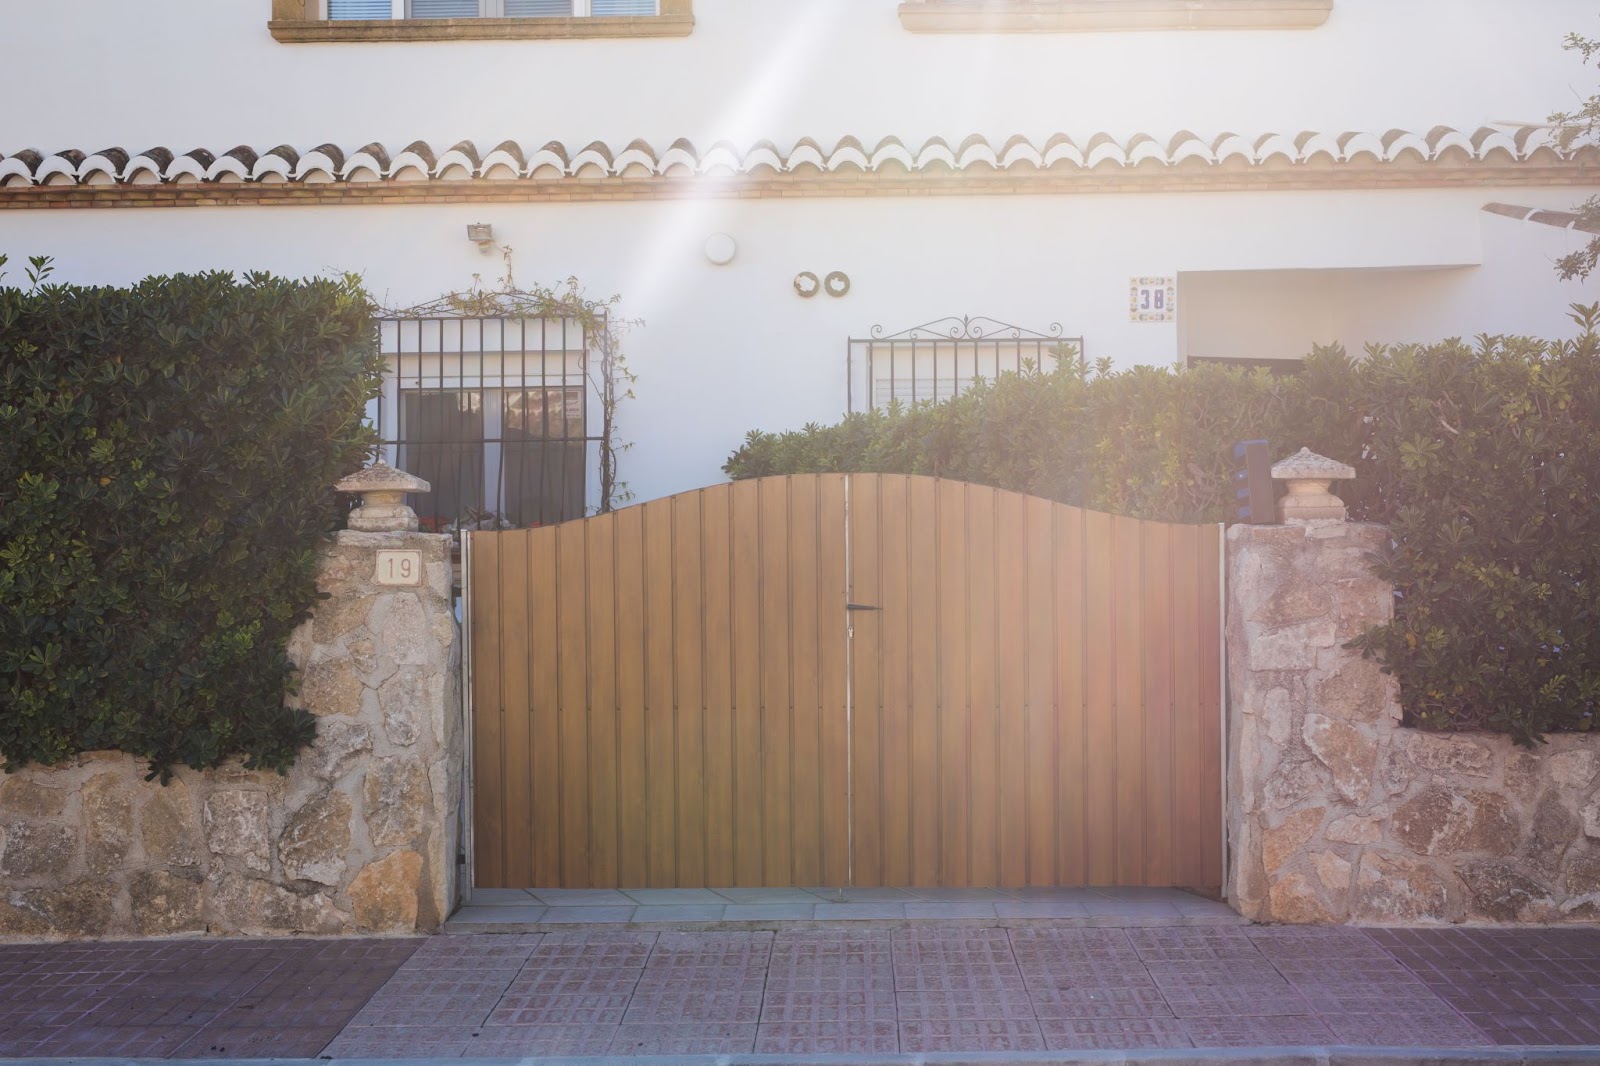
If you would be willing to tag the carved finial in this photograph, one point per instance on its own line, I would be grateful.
(383, 498)
(1309, 478)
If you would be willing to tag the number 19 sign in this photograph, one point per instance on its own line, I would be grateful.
(399, 568)
(1153, 300)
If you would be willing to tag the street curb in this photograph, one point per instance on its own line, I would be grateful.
(453, 927)
(1587, 1055)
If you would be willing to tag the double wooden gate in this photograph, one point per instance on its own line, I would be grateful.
(830, 679)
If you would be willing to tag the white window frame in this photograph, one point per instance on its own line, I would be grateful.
(489, 9)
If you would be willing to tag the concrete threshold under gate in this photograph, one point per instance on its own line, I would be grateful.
(515, 910)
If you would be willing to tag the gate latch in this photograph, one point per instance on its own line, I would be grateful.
(860, 607)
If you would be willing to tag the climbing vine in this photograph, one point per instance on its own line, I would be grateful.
(607, 369)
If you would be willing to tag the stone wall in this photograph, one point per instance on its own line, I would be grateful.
(360, 836)
(1338, 813)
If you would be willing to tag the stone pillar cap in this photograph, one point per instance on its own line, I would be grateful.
(381, 477)
(1307, 465)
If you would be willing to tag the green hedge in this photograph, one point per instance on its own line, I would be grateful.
(1483, 459)
(166, 457)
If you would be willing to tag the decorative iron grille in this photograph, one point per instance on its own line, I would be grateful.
(494, 413)
(941, 359)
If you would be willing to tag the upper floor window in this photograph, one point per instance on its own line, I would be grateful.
(459, 9)
(444, 20)
(1066, 16)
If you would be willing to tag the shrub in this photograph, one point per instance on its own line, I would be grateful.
(166, 457)
(1484, 460)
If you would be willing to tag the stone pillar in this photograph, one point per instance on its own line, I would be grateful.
(1308, 718)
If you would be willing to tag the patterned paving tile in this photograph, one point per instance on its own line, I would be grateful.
(399, 1042)
(1193, 945)
(971, 1036)
(502, 951)
(1413, 1028)
(687, 1003)
(600, 1009)
(584, 981)
(524, 1041)
(827, 1038)
(1067, 1035)
(964, 1004)
(599, 950)
(815, 1007)
(1249, 1031)
(1214, 1001)
(702, 1038)
(1101, 1002)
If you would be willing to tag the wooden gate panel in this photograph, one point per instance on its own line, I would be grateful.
(1046, 748)
(671, 696)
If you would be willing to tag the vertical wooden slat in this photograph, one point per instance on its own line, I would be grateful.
(1012, 675)
(688, 614)
(1210, 627)
(488, 713)
(776, 691)
(1128, 634)
(540, 745)
(892, 626)
(1187, 790)
(632, 836)
(572, 707)
(805, 793)
(1070, 741)
(865, 687)
(602, 706)
(1040, 723)
(925, 666)
(983, 729)
(1158, 726)
(1098, 745)
(716, 514)
(833, 682)
(749, 828)
(661, 787)
(954, 719)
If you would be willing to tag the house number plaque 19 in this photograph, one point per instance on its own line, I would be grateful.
(399, 568)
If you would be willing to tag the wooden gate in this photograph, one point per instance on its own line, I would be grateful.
(831, 679)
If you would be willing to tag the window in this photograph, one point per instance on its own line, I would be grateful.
(1065, 16)
(295, 21)
(340, 10)
(943, 359)
(493, 414)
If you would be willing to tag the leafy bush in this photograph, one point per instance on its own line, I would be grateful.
(166, 457)
(1484, 460)
(1488, 464)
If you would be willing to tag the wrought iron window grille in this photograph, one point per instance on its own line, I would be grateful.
(939, 360)
(494, 412)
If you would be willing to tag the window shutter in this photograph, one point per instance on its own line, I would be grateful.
(358, 9)
(623, 7)
(444, 9)
(528, 9)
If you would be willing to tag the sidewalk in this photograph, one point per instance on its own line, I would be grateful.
(805, 991)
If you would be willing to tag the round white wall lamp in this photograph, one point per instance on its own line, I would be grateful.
(837, 283)
(807, 284)
(721, 248)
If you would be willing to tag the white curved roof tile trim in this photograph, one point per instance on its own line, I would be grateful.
(419, 159)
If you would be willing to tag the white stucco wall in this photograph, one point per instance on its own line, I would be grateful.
(726, 349)
(203, 72)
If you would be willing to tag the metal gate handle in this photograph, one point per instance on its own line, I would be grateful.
(860, 607)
